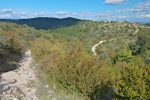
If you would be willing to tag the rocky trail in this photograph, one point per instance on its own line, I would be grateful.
(20, 83)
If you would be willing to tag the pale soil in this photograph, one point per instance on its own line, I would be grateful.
(94, 47)
(20, 83)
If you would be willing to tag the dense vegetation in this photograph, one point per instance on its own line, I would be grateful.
(11, 46)
(44, 23)
(148, 24)
(120, 70)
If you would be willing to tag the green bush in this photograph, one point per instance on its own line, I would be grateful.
(10, 43)
(73, 69)
(133, 84)
(65, 57)
(40, 48)
(123, 56)
(135, 49)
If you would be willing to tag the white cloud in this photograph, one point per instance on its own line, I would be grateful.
(141, 7)
(40, 14)
(6, 10)
(83, 14)
(114, 1)
(11, 14)
(62, 13)
(5, 16)
(111, 16)
(140, 11)
(144, 16)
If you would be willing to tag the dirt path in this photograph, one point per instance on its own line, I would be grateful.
(19, 84)
(94, 47)
(101, 42)
(136, 31)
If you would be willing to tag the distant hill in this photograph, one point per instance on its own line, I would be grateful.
(148, 24)
(44, 22)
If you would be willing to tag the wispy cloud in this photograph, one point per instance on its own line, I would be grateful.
(6, 13)
(12, 14)
(82, 14)
(137, 12)
(140, 10)
(141, 7)
(109, 16)
(144, 16)
(7, 10)
(63, 13)
(114, 1)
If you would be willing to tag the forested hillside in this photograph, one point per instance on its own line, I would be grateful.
(63, 57)
(44, 23)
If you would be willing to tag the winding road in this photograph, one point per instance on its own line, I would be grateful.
(103, 41)
(94, 47)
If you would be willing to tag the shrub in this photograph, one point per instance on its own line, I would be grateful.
(135, 49)
(123, 56)
(10, 43)
(73, 69)
(40, 48)
(134, 84)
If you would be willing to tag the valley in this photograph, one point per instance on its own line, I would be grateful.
(85, 60)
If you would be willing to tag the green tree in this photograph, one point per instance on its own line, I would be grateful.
(123, 56)
(135, 49)
(133, 84)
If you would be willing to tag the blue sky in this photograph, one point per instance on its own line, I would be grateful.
(131, 10)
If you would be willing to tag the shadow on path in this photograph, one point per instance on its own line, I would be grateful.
(9, 63)
(1, 88)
